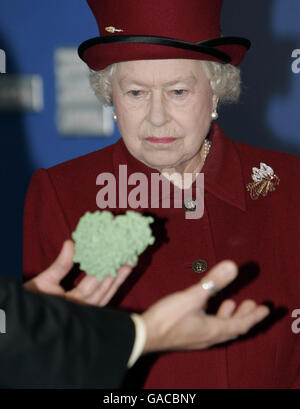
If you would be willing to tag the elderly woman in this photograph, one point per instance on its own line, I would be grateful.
(165, 69)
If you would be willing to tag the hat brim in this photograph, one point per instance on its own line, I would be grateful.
(99, 52)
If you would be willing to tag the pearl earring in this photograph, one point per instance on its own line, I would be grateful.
(214, 115)
(114, 116)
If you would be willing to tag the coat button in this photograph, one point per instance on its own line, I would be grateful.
(199, 266)
(190, 205)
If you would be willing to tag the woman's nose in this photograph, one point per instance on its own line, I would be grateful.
(158, 115)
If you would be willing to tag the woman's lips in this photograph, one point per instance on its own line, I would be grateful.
(160, 140)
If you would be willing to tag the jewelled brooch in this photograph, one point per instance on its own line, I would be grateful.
(264, 181)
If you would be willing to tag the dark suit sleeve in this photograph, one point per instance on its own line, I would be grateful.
(50, 342)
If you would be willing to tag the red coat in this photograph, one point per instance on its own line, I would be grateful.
(262, 236)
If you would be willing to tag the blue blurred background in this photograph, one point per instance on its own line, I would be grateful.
(31, 31)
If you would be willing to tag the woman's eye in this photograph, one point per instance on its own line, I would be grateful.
(179, 92)
(135, 93)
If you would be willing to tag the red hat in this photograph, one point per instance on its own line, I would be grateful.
(159, 29)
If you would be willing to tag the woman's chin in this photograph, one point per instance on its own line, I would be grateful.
(160, 163)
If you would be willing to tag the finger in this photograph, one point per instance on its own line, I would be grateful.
(245, 308)
(243, 324)
(87, 287)
(63, 263)
(97, 298)
(99, 293)
(220, 275)
(226, 309)
(122, 274)
(103, 294)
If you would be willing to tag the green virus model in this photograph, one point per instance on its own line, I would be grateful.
(103, 243)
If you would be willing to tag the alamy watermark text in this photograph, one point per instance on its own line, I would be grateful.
(296, 322)
(2, 62)
(296, 62)
(116, 191)
(2, 322)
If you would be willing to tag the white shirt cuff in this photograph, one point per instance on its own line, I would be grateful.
(140, 339)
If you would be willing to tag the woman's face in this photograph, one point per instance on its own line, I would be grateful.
(164, 110)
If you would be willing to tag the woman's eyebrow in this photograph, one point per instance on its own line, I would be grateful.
(187, 80)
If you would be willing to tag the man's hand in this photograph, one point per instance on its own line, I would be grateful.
(88, 291)
(176, 322)
(179, 321)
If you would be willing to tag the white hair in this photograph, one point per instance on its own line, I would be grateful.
(225, 81)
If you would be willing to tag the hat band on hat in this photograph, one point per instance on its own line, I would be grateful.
(206, 46)
(215, 42)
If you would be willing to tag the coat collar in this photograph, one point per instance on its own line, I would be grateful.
(223, 176)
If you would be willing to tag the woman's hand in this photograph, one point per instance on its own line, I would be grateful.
(88, 291)
(179, 321)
